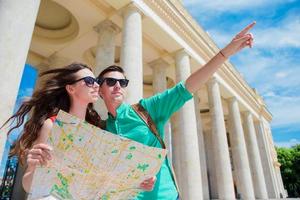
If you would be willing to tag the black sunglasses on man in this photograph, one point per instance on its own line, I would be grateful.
(112, 81)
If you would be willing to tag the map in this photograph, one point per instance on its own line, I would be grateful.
(90, 163)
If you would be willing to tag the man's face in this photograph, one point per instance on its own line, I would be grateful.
(112, 94)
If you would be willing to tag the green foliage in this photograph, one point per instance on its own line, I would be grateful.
(289, 158)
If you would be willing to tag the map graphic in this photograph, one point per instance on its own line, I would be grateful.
(90, 163)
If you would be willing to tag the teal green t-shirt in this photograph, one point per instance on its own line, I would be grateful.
(128, 124)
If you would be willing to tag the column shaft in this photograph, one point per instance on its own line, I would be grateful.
(131, 53)
(239, 152)
(105, 54)
(17, 19)
(190, 161)
(211, 167)
(159, 67)
(221, 152)
(176, 157)
(266, 160)
(201, 145)
(105, 49)
(258, 177)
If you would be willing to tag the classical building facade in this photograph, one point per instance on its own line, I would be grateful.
(220, 143)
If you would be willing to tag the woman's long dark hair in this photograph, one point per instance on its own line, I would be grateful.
(44, 103)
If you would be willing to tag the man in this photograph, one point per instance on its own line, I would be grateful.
(124, 121)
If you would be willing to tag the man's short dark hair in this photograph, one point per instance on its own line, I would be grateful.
(112, 68)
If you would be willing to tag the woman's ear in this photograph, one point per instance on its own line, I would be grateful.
(70, 89)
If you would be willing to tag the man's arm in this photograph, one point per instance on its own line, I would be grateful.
(198, 78)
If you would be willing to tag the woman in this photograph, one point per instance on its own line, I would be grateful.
(72, 89)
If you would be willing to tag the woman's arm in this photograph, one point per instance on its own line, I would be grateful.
(39, 154)
(198, 78)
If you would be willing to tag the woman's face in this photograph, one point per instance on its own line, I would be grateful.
(84, 91)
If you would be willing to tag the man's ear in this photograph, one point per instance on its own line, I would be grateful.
(100, 93)
(69, 89)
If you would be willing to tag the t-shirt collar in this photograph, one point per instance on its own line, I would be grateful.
(122, 107)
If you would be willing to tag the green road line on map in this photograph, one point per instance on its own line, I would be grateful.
(70, 137)
(62, 189)
(142, 167)
(105, 197)
(132, 148)
(59, 123)
(115, 151)
(129, 156)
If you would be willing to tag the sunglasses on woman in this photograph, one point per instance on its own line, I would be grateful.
(88, 80)
(112, 82)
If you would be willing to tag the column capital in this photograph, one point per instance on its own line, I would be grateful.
(52, 61)
(180, 53)
(247, 113)
(212, 81)
(159, 63)
(56, 60)
(107, 25)
(232, 99)
(131, 7)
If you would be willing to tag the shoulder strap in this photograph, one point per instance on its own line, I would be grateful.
(142, 112)
(144, 115)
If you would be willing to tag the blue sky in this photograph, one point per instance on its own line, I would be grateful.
(25, 90)
(272, 66)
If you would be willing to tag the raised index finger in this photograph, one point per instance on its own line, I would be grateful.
(245, 30)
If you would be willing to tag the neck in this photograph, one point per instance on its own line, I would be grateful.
(112, 108)
(78, 110)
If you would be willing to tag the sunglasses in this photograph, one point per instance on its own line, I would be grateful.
(112, 81)
(88, 80)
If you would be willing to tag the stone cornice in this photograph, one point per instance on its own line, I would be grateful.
(173, 13)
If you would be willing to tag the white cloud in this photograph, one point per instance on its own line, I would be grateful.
(284, 35)
(281, 74)
(287, 144)
(285, 110)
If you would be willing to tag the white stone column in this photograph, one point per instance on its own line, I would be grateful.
(159, 68)
(131, 52)
(176, 157)
(266, 161)
(273, 157)
(220, 145)
(254, 158)
(279, 179)
(105, 54)
(211, 167)
(201, 145)
(239, 152)
(190, 161)
(17, 19)
(105, 49)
